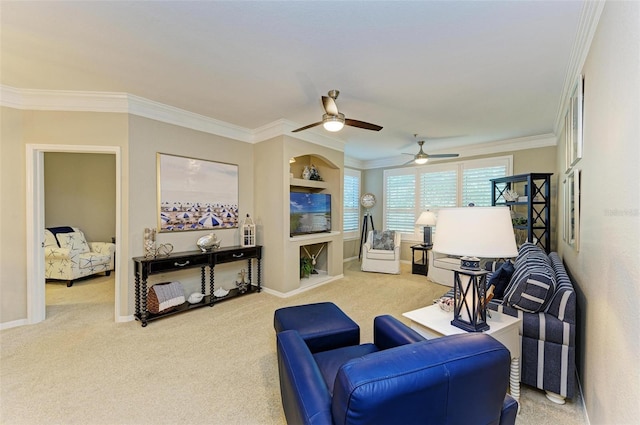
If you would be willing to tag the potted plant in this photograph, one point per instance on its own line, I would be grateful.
(305, 267)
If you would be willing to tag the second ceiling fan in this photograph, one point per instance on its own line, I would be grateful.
(333, 120)
(421, 157)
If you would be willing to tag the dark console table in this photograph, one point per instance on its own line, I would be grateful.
(144, 267)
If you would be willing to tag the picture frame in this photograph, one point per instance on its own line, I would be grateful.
(572, 209)
(196, 194)
(574, 123)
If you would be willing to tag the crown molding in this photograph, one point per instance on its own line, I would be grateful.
(354, 163)
(499, 146)
(63, 100)
(171, 115)
(587, 25)
(77, 101)
(285, 127)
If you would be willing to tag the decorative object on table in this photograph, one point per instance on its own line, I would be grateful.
(510, 195)
(149, 242)
(248, 237)
(306, 173)
(164, 250)
(208, 242)
(196, 194)
(220, 292)
(165, 297)
(313, 173)
(445, 303)
(242, 285)
(472, 232)
(195, 298)
(426, 219)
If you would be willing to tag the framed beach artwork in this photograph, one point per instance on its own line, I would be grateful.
(196, 194)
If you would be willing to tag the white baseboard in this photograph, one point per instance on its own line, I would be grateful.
(301, 289)
(121, 319)
(13, 324)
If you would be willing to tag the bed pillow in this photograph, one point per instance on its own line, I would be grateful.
(73, 241)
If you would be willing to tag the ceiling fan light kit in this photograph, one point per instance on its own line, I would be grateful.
(333, 123)
(422, 158)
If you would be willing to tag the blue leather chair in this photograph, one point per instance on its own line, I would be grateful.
(399, 379)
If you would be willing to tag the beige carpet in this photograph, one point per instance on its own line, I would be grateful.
(209, 366)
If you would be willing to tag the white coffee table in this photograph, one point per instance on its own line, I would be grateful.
(433, 322)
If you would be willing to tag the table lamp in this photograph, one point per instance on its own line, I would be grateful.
(426, 219)
(473, 232)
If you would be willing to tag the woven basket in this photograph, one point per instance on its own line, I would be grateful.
(153, 306)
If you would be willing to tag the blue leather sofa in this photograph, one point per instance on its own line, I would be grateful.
(399, 379)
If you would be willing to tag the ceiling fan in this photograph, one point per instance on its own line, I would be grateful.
(333, 120)
(421, 157)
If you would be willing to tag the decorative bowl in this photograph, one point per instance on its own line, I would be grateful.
(195, 298)
(445, 303)
(220, 292)
(208, 242)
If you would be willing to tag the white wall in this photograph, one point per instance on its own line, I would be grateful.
(607, 267)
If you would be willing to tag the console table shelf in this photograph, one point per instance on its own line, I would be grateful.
(144, 267)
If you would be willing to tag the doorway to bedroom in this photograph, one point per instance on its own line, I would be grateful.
(72, 212)
(80, 193)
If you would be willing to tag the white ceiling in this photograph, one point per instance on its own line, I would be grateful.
(463, 71)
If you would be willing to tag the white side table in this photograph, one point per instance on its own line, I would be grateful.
(433, 322)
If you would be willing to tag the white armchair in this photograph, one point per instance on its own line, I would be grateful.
(381, 252)
(68, 255)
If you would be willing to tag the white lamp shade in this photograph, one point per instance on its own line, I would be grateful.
(485, 232)
(427, 218)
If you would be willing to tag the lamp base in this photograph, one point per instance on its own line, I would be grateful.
(479, 327)
(470, 263)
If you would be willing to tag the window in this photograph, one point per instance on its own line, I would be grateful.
(351, 207)
(399, 205)
(409, 191)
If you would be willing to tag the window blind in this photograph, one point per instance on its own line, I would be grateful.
(400, 202)
(476, 185)
(409, 191)
(438, 189)
(351, 201)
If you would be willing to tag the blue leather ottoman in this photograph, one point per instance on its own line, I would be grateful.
(323, 326)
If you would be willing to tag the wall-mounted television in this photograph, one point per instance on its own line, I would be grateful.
(309, 213)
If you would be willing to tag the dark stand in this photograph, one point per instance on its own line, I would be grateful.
(421, 264)
(365, 230)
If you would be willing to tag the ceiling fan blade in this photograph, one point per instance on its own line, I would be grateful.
(330, 105)
(444, 155)
(362, 124)
(412, 154)
(409, 162)
(307, 126)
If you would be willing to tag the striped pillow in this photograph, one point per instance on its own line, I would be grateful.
(533, 283)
